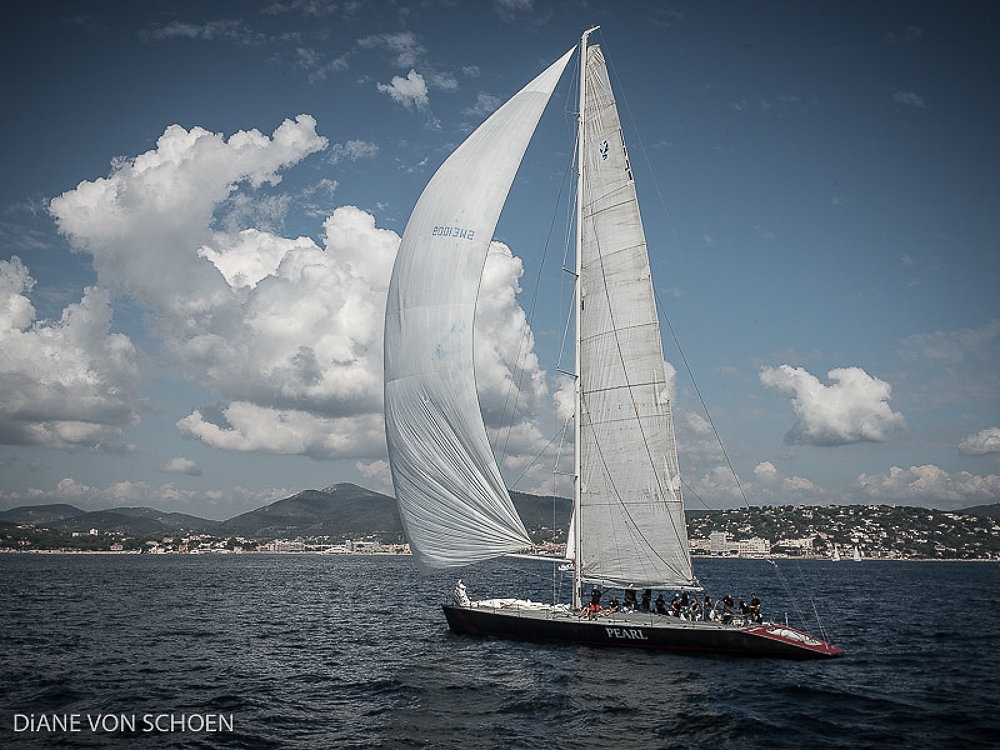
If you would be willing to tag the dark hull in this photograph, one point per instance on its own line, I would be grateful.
(643, 631)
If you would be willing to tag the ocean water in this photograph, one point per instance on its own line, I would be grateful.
(353, 652)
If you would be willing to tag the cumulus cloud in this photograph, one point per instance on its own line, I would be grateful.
(765, 471)
(68, 384)
(932, 486)
(718, 488)
(508, 376)
(286, 333)
(855, 408)
(714, 488)
(771, 480)
(144, 224)
(250, 427)
(249, 256)
(411, 91)
(179, 465)
(981, 443)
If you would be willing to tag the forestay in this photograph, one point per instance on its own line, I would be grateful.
(631, 518)
(453, 503)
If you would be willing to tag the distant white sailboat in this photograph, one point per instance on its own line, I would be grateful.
(857, 554)
(836, 553)
(453, 503)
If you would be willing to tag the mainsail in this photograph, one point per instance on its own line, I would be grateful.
(453, 503)
(631, 527)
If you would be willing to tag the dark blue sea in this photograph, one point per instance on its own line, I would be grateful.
(353, 652)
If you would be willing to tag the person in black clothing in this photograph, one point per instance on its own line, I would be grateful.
(727, 609)
(647, 594)
(631, 605)
(675, 605)
(755, 615)
(661, 605)
(706, 608)
(613, 604)
(744, 608)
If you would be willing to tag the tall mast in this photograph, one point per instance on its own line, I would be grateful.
(577, 582)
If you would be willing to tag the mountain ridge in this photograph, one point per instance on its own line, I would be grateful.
(343, 510)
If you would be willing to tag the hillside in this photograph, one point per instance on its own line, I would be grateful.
(40, 514)
(144, 521)
(982, 511)
(342, 510)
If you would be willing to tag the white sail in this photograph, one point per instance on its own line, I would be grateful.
(631, 515)
(453, 503)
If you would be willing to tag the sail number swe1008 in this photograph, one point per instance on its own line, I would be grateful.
(458, 232)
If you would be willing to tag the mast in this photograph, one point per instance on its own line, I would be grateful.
(576, 367)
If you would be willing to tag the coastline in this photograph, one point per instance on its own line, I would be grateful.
(314, 553)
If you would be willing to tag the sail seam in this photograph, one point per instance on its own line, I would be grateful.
(597, 211)
(627, 385)
(601, 334)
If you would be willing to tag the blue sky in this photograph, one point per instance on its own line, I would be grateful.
(201, 202)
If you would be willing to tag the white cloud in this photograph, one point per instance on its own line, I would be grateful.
(144, 224)
(377, 474)
(286, 333)
(930, 485)
(411, 91)
(402, 45)
(715, 488)
(774, 488)
(68, 384)
(954, 346)
(180, 465)
(352, 150)
(909, 99)
(249, 256)
(981, 443)
(227, 30)
(765, 471)
(253, 428)
(854, 409)
(508, 377)
(308, 336)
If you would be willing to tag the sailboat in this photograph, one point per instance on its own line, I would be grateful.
(628, 526)
(857, 554)
(836, 554)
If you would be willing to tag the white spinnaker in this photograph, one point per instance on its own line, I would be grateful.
(453, 503)
(632, 530)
